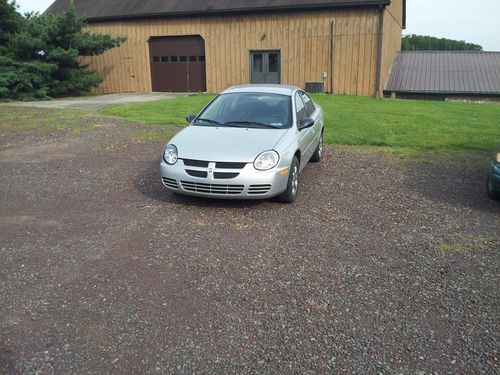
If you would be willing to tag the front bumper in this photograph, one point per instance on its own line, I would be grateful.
(248, 184)
(495, 176)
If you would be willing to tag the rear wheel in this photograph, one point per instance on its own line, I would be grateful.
(318, 154)
(491, 192)
(292, 187)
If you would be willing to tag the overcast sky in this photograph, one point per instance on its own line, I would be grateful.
(475, 22)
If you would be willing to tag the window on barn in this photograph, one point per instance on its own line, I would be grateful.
(257, 62)
(273, 63)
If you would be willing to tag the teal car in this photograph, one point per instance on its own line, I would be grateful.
(493, 185)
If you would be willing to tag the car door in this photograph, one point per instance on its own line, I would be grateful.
(315, 114)
(306, 136)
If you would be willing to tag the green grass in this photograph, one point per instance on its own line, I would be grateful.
(420, 125)
(162, 112)
(400, 126)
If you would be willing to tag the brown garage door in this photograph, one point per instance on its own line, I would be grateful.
(178, 63)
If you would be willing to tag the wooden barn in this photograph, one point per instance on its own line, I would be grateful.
(340, 46)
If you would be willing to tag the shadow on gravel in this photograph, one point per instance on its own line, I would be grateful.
(458, 187)
(148, 183)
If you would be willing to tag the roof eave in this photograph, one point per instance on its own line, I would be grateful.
(425, 92)
(357, 4)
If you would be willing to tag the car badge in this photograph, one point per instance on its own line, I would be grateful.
(210, 170)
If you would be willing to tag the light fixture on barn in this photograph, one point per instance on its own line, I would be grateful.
(263, 37)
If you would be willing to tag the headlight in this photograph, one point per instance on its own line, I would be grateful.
(170, 154)
(266, 160)
(498, 157)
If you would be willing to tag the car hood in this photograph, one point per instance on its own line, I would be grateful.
(224, 143)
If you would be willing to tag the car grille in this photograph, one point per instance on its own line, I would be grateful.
(229, 165)
(200, 174)
(170, 183)
(225, 175)
(258, 189)
(212, 189)
(218, 164)
(195, 163)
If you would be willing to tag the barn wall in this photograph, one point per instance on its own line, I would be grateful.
(393, 21)
(303, 39)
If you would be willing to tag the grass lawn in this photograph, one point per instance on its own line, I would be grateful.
(162, 112)
(397, 125)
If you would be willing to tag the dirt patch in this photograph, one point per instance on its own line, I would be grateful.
(38, 153)
(379, 267)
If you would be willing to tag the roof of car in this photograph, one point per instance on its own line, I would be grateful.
(271, 89)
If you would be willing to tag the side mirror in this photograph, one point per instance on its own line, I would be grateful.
(190, 118)
(305, 123)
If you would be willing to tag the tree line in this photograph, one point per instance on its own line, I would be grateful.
(430, 43)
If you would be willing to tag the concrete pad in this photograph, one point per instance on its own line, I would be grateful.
(101, 101)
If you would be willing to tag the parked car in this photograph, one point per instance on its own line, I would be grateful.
(493, 183)
(249, 142)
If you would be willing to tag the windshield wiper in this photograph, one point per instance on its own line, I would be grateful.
(213, 122)
(236, 123)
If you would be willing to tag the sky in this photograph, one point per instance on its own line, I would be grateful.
(473, 21)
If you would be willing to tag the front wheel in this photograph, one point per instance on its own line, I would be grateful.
(491, 192)
(318, 154)
(292, 187)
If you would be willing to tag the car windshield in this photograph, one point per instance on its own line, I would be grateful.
(260, 110)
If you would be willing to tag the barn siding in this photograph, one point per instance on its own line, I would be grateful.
(303, 39)
(393, 21)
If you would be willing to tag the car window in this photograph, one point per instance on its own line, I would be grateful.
(247, 109)
(308, 103)
(300, 108)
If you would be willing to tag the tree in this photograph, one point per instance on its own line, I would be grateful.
(41, 53)
(430, 43)
(10, 20)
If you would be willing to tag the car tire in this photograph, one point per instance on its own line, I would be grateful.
(489, 188)
(318, 154)
(292, 186)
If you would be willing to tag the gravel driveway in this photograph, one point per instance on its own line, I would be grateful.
(379, 267)
(94, 102)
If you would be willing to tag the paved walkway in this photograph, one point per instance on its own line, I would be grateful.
(100, 101)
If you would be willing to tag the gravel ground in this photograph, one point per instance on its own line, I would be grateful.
(99, 101)
(380, 267)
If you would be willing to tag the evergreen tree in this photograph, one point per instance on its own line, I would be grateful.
(40, 54)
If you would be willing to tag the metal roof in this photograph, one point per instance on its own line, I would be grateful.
(95, 10)
(439, 72)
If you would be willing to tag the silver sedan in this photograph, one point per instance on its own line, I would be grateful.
(249, 142)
